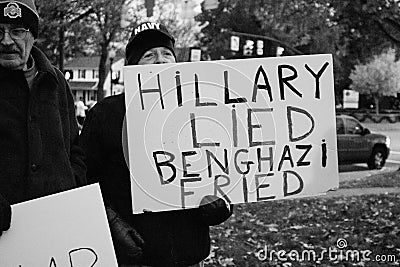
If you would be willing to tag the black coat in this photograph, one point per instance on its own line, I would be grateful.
(39, 151)
(172, 238)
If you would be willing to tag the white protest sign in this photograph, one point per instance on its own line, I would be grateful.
(244, 130)
(68, 229)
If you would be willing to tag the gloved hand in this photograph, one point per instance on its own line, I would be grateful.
(5, 215)
(213, 210)
(128, 243)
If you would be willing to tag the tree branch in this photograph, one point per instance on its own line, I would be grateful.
(81, 16)
(387, 33)
(394, 23)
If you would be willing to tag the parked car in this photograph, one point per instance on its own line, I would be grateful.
(356, 144)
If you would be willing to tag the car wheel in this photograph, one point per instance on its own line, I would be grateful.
(377, 159)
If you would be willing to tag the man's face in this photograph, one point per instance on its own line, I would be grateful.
(14, 53)
(157, 55)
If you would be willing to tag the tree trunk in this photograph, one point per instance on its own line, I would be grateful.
(102, 71)
(61, 44)
(376, 99)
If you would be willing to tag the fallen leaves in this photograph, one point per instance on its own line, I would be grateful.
(369, 222)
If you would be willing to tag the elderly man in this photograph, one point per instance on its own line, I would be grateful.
(39, 154)
(173, 238)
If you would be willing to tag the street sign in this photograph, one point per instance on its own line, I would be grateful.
(260, 47)
(195, 54)
(235, 41)
(248, 48)
(279, 51)
(350, 98)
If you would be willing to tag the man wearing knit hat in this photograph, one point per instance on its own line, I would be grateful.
(22, 20)
(173, 238)
(39, 152)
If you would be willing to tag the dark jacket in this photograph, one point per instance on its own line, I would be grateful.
(173, 238)
(39, 152)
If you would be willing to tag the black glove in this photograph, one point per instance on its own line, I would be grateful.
(5, 215)
(128, 243)
(213, 210)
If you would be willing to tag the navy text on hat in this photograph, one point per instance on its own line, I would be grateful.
(147, 26)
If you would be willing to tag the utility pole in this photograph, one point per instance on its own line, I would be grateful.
(149, 4)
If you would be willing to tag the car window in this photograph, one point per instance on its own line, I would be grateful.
(353, 127)
(339, 126)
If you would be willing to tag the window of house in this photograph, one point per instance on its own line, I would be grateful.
(95, 74)
(82, 74)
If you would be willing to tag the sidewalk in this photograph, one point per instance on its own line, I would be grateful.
(347, 192)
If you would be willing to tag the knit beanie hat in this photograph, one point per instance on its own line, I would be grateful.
(145, 36)
(20, 12)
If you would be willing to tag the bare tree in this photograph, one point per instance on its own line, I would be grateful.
(106, 19)
(56, 19)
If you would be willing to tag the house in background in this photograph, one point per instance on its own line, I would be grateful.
(82, 73)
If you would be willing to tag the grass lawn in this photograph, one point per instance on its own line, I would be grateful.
(366, 226)
(389, 179)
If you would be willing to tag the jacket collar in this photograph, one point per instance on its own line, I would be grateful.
(41, 61)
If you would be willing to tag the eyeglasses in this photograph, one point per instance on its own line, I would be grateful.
(16, 34)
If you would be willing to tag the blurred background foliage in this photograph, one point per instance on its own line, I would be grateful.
(353, 31)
